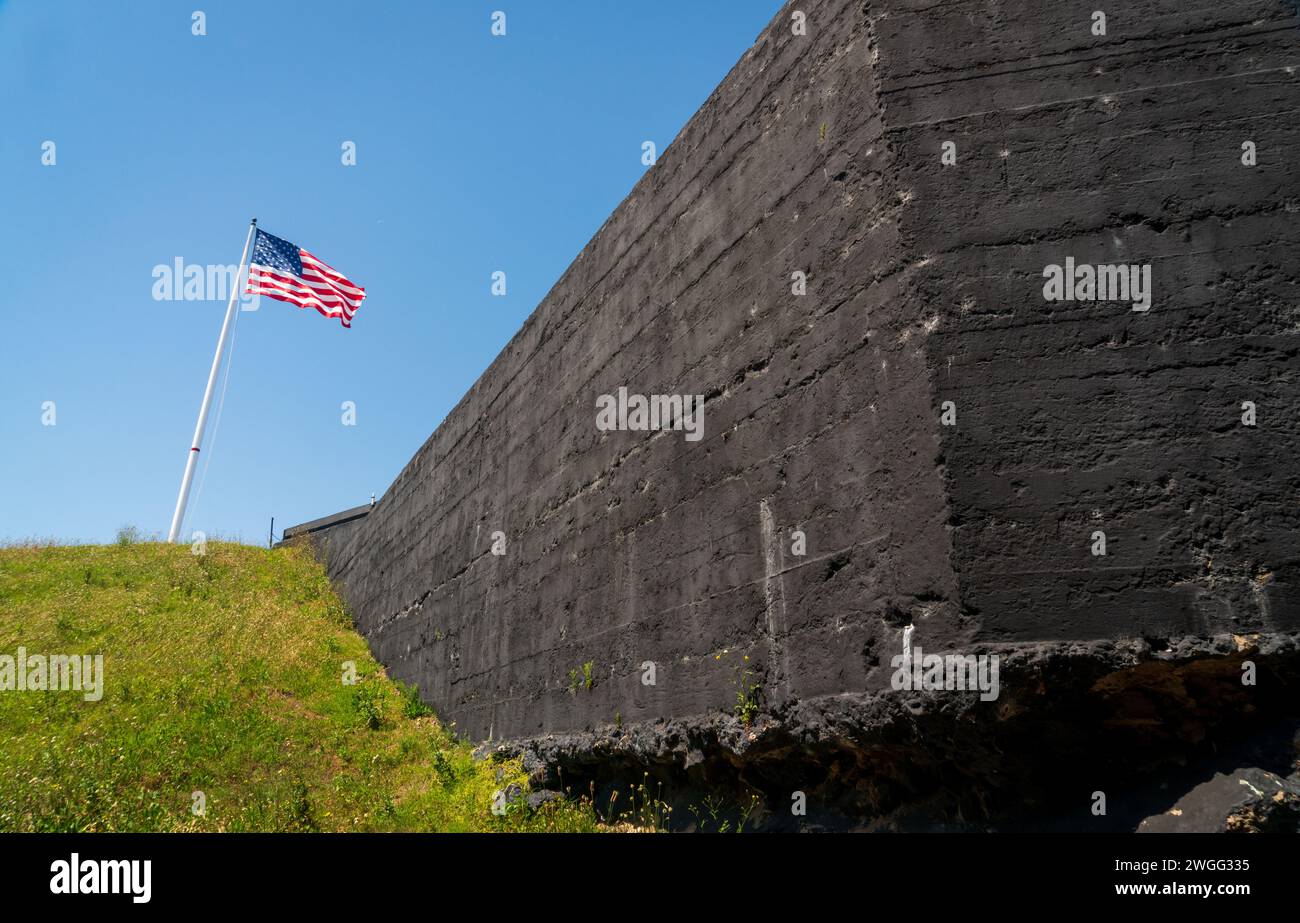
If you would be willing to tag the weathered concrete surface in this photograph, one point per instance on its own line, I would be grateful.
(1076, 417)
(822, 154)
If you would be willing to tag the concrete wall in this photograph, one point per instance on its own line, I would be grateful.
(821, 154)
(1076, 417)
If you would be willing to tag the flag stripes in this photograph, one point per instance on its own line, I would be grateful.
(285, 272)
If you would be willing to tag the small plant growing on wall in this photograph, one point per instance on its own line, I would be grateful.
(749, 692)
(583, 677)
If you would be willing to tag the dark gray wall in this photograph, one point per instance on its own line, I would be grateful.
(1083, 416)
(822, 154)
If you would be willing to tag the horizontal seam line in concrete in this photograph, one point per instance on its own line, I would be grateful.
(1214, 34)
(1078, 99)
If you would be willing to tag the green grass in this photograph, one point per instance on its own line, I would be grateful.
(223, 674)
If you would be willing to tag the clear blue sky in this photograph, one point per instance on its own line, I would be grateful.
(474, 153)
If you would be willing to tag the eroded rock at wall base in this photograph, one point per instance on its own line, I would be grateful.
(1116, 718)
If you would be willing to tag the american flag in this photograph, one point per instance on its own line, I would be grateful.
(284, 271)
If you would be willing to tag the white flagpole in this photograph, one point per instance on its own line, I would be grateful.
(179, 516)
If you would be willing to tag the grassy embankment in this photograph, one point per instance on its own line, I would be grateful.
(223, 674)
